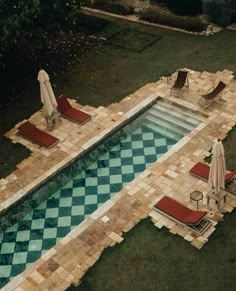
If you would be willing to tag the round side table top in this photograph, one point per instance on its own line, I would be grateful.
(196, 195)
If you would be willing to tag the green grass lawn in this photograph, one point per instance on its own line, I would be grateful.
(230, 153)
(106, 75)
(111, 74)
(150, 259)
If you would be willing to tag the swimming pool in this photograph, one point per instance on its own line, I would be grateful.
(52, 211)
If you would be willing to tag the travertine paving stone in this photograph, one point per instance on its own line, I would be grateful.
(67, 261)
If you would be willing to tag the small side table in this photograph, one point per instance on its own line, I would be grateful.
(196, 196)
(53, 120)
(218, 197)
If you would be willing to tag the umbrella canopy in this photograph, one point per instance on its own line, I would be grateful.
(47, 96)
(217, 173)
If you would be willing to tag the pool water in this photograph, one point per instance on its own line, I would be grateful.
(136, 147)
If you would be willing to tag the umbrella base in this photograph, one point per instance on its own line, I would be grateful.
(53, 120)
(219, 199)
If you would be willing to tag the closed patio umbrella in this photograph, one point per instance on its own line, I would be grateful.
(47, 96)
(217, 173)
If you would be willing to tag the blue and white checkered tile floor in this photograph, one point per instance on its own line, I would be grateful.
(44, 226)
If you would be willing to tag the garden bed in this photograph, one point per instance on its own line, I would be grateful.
(112, 7)
(192, 24)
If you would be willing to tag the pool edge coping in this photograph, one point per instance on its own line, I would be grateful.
(99, 213)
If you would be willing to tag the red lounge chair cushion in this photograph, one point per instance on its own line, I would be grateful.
(70, 112)
(229, 176)
(202, 170)
(27, 127)
(63, 104)
(179, 211)
(37, 135)
(77, 115)
(194, 217)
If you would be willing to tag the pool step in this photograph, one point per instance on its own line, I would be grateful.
(171, 121)
(170, 117)
(167, 124)
(168, 121)
(163, 130)
(188, 116)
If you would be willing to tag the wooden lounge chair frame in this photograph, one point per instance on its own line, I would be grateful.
(180, 82)
(206, 169)
(212, 95)
(71, 108)
(28, 125)
(199, 228)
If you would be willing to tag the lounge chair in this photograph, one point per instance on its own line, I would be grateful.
(30, 131)
(201, 170)
(70, 112)
(208, 98)
(181, 80)
(192, 219)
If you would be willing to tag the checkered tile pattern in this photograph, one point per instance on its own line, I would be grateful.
(44, 226)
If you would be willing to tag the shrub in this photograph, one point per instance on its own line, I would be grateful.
(182, 7)
(121, 8)
(190, 24)
(218, 12)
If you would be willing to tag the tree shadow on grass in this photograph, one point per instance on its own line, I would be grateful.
(11, 155)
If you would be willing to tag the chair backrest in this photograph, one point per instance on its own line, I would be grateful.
(181, 79)
(63, 103)
(216, 91)
(27, 128)
(221, 85)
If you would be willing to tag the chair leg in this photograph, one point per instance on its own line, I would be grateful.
(187, 83)
(208, 104)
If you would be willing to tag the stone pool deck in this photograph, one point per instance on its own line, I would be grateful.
(67, 261)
